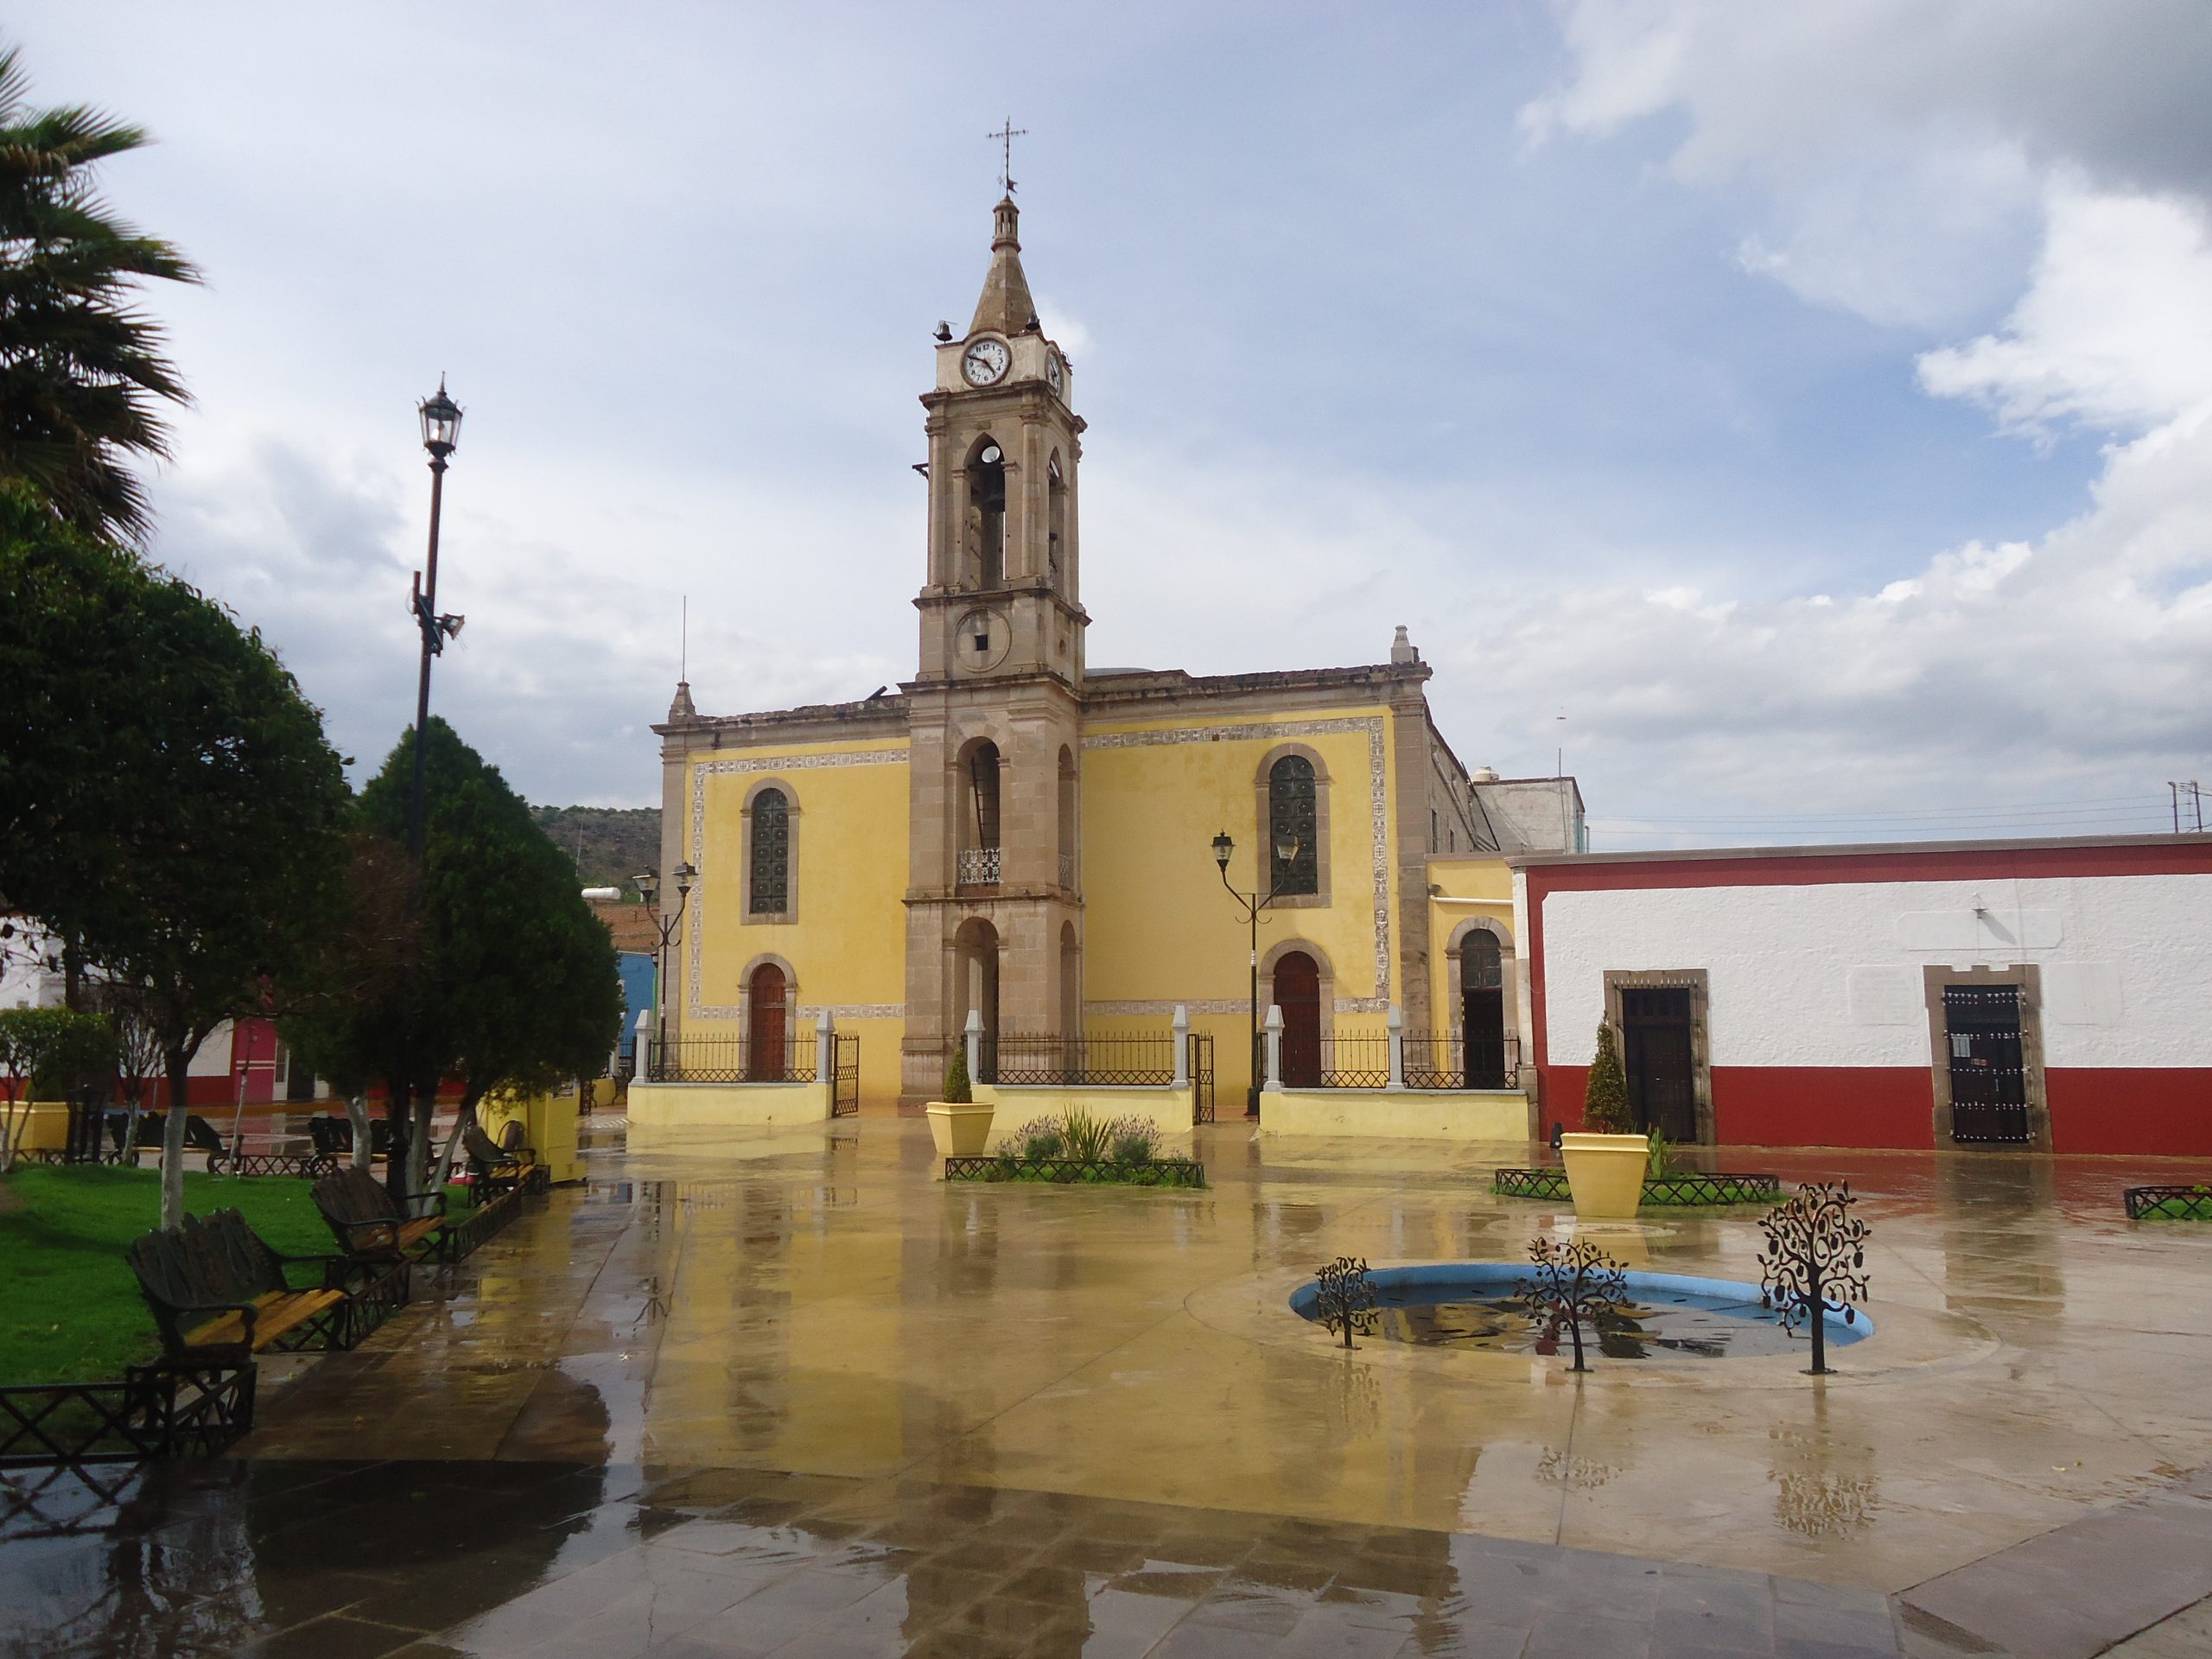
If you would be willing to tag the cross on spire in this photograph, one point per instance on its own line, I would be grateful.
(1006, 135)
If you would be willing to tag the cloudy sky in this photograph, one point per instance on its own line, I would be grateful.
(1801, 414)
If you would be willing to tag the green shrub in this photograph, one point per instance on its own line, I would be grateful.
(1042, 1137)
(1087, 1137)
(957, 1090)
(1656, 1156)
(1604, 1100)
(1135, 1143)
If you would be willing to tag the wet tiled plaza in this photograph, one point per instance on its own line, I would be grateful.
(744, 1394)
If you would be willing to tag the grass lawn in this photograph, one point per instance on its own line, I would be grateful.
(70, 1309)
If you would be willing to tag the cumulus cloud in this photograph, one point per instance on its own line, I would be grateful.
(1895, 149)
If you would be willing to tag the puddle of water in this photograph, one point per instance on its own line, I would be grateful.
(1665, 1316)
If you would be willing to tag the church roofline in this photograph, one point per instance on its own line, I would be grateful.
(1149, 684)
(882, 712)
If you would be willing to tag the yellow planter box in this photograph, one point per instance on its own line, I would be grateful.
(959, 1130)
(1605, 1174)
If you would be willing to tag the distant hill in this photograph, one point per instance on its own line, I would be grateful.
(610, 844)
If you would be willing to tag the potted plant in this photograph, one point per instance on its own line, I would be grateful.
(1606, 1161)
(959, 1124)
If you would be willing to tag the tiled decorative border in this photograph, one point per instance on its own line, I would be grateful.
(696, 1007)
(1378, 792)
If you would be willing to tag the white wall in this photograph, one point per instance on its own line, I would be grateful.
(1830, 976)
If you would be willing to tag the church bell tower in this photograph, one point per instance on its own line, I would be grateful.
(994, 902)
(1003, 596)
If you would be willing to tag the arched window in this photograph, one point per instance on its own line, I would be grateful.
(770, 886)
(1292, 818)
(978, 853)
(987, 514)
(1056, 522)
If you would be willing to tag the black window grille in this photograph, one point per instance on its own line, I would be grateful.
(1481, 965)
(1291, 816)
(772, 853)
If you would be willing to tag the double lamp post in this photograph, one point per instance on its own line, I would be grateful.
(1252, 904)
(665, 922)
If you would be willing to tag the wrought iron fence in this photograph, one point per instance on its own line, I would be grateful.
(730, 1060)
(845, 1079)
(1360, 1062)
(184, 1406)
(1073, 1171)
(979, 867)
(1124, 1058)
(306, 1165)
(1454, 1062)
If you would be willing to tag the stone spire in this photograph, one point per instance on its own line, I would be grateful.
(681, 707)
(1402, 648)
(1006, 307)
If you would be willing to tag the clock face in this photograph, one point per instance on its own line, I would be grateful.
(1053, 373)
(985, 363)
(981, 640)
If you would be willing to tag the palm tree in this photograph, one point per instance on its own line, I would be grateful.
(80, 369)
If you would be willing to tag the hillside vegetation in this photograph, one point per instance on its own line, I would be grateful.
(609, 844)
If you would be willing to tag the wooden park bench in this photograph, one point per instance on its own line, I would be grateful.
(199, 1134)
(213, 1282)
(494, 1168)
(333, 1136)
(368, 1222)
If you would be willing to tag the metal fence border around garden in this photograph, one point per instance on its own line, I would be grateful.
(170, 1409)
(1181, 1172)
(1686, 1187)
(2149, 1203)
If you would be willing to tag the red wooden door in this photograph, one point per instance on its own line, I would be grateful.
(763, 1061)
(1298, 994)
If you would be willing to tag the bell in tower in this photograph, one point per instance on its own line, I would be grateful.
(1005, 442)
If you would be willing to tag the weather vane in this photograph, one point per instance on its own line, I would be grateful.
(1006, 135)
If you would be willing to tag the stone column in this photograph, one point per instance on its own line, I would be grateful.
(1182, 1040)
(825, 1049)
(974, 1034)
(1397, 1047)
(1271, 1028)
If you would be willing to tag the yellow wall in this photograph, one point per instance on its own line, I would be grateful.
(1166, 1109)
(734, 1105)
(1486, 877)
(1157, 926)
(848, 947)
(1441, 1114)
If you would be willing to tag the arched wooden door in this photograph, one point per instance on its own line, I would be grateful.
(1482, 1011)
(1298, 994)
(764, 1025)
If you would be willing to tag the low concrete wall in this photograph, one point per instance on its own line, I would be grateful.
(1166, 1107)
(47, 1128)
(711, 1105)
(1400, 1114)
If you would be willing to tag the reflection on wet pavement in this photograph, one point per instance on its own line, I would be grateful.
(745, 1392)
(558, 1559)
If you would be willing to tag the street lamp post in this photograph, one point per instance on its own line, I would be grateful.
(440, 435)
(666, 923)
(1252, 904)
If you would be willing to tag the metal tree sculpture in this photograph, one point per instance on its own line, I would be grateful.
(1814, 1262)
(1575, 1280)
(1343, 1298)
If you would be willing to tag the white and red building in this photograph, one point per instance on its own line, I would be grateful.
(2053, 995)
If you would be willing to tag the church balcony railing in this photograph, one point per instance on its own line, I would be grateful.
(730, 1060)
(1067, 871)
(979, 867)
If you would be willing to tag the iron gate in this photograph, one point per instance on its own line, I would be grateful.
(845, 1075)
(1200, 1057)
(1989, 1078)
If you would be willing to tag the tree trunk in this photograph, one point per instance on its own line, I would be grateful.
(418, 1148)
(396, 1114)
(462, 1119)
(178, 1059)
(357, 1114)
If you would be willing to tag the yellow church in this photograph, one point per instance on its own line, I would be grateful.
(1062, 860)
